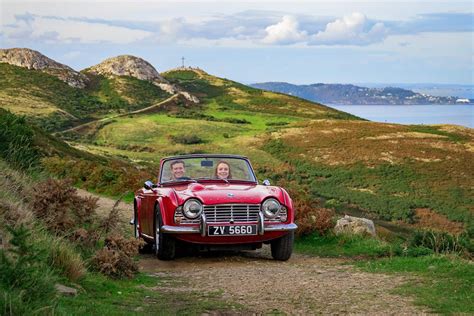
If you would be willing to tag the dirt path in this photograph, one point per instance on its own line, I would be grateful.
(303, 285)
(105, 119)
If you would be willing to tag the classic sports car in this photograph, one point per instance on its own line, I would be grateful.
(213, 200)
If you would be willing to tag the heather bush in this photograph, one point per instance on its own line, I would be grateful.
(312, 219)
(116, 258)
(57, 204)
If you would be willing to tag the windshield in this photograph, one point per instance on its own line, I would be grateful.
(206, 168)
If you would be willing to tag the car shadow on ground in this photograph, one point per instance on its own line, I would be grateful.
(190, 253)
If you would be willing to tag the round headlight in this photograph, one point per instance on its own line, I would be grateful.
(270, 208)
(192, 208)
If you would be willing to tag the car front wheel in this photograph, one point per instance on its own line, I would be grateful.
(283, 247)
(165, 245)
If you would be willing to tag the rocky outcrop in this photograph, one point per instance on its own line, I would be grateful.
(31, 59)
(127, 65)
(355, 225)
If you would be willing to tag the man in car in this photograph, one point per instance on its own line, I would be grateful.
(177, 169)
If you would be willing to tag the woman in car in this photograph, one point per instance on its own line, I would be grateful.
(223, 170)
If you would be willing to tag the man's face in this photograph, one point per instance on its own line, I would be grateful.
(177, 170)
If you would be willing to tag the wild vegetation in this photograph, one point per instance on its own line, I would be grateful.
(54, 105)
(416, 180)
(48, 234)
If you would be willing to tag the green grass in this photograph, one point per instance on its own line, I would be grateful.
(344, 246)
(444, 284)
(144, 295)
(393, 191)
(47, 93)
(436, 131)
(125, 92)
(181, 75)
(13, 79)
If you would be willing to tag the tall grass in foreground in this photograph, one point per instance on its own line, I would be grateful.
(16, 141)
(26, 279)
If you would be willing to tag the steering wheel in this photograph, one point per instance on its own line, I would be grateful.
(183, 178)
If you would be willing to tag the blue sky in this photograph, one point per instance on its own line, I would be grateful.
(293, 41)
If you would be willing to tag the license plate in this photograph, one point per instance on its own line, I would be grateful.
(232, 230)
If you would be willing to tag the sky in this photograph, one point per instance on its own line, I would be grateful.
(300, 42)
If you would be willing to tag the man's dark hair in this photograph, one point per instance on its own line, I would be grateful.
(176, 162)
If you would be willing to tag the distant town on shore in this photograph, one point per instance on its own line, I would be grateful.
(349, 94)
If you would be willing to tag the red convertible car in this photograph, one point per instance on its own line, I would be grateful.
(213, 200)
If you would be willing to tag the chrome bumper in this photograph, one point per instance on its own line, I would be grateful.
(203, 229)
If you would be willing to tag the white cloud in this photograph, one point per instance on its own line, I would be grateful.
(284, 32)
(65, 30)
(354, 29)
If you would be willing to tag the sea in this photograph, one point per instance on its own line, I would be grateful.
(458, 114)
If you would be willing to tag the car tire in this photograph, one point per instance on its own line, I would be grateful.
(283, 247)
(165, 245)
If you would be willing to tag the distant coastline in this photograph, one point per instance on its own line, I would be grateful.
(429, 114)
(349, 94)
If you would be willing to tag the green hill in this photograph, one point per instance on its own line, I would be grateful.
(420, 176)
(54, 105)
(417, 175)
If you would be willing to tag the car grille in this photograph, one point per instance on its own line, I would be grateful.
(225, 213)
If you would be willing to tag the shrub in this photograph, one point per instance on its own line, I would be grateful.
(439, 242)
(116, 258)
(17, 141)
(234, 121)
(186, 139)
(311, 218)
(57, 204)
(282, 123)
(26, 281)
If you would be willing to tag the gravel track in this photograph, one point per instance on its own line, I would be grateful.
(302, 285)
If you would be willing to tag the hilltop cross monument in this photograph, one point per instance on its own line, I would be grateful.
(182, 62)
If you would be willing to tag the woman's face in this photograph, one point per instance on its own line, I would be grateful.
(222, 171)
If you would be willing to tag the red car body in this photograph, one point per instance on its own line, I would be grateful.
(231, 210)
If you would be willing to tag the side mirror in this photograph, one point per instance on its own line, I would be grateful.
(149, 185)
(266, 182)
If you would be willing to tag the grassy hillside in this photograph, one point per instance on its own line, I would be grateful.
(222, 95)
(418, 175)
(54, 105)
(229, 116)
(124, 92)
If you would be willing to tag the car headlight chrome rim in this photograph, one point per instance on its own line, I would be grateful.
(192, 208)
(271, 208)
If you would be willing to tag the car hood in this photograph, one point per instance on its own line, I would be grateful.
(227, 193)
